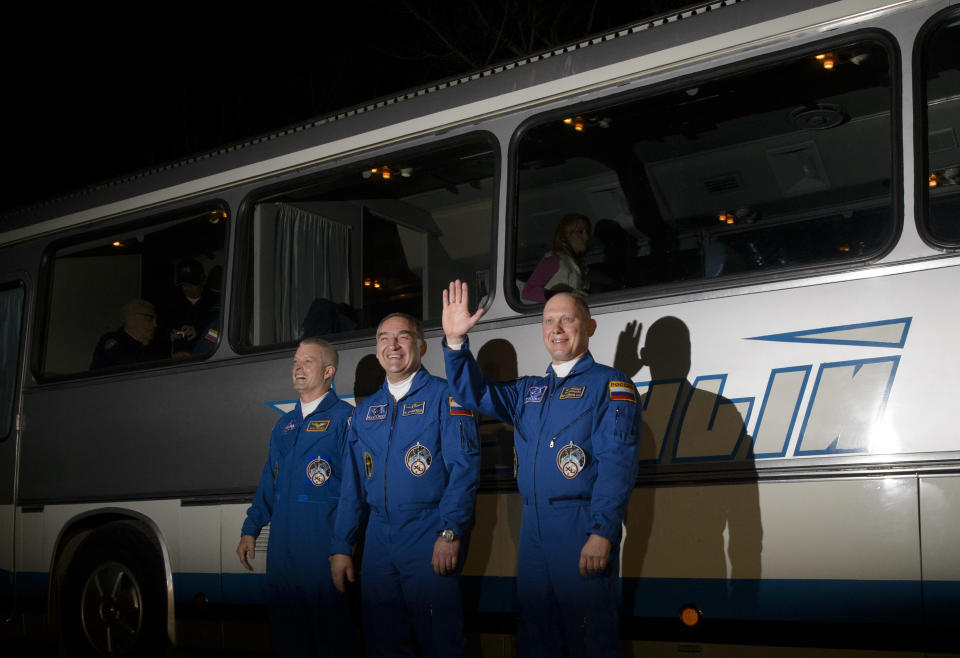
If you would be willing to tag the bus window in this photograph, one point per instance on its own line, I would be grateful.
(784, 164)
(11, 314)
(337, 252)
(941, 60)
(140, 295)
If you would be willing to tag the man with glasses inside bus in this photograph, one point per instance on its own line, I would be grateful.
(576, 434)
(298, 494)
(415, 464)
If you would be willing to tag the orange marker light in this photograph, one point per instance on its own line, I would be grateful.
(690, 615)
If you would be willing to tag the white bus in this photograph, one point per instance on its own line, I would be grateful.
(774, 189)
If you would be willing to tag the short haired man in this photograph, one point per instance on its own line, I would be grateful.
(298, 494)
(576, 433)
(133, 341)
(415, 456)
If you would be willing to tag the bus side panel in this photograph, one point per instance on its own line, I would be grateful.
(940, 538)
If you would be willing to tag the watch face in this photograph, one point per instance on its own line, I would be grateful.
(448, 535)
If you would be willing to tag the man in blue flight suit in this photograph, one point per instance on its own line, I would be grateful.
(415, 463)
(576, 434)
(298, 495)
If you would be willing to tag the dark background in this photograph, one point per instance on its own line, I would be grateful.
(91, 95)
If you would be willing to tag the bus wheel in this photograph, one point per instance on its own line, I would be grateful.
(112, 598)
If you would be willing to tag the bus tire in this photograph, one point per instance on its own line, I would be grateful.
(113, 595)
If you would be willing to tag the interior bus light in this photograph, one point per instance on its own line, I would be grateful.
(690, 615)
(828, 63)
(367, 282)
(385, 173)
(117, 243)
(376, 284)
(821, 56)
(932, 181)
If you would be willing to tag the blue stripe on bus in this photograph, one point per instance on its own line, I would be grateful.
(792, 600)
(875, 601)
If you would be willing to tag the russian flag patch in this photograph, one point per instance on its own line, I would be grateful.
(457, 410)
(623, 392)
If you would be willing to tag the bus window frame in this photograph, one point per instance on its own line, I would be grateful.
(921, 139)
(102, 229)
(728, 284)
(14, 283)
(309, 175)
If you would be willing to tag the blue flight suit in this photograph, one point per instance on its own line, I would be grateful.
(576, 441)
(415, 469)
(298, 495)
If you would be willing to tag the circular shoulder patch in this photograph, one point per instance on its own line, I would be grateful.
(571, 460)
(319, 471)
(418, 459)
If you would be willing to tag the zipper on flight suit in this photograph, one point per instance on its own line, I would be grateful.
(567, 426)
(386, 455)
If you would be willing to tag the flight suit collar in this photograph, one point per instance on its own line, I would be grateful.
(585, 363)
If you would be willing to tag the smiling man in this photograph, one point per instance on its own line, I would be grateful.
(298, 495)
(576, 434)
(415, 463)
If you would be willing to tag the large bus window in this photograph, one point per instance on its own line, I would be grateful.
(941, 58)
(11, 316)
(337, 252)
(781, 165)
(141, 295)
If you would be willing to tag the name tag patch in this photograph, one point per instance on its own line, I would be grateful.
(319, 471)
(376, 412)
(623, 392)
(572, 392)
(535, 394)
(318, 425)
(456, 409)
(414, 408)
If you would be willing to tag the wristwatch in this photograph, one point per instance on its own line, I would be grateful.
(448, 535)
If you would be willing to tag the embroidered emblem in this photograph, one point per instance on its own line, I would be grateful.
(572, 392)
(367, 465)
(292, 425)
(456, 409)
(571, 460)
(418, 459)
(318, 425)
(623, 392)
(212, 335)
(535, 394)
(377, 412)
(414, 408)
(319, 471)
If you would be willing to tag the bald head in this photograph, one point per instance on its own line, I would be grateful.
(567, 327)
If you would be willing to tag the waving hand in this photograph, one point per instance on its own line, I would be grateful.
(457, 321)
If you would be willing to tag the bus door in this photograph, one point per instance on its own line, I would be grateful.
(11, 333)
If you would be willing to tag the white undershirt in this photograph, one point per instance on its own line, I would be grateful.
(400, 389)
(308, 408)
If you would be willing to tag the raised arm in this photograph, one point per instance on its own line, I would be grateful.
(457, 320)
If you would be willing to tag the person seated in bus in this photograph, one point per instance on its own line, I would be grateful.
(619, 267)
(298, 495)
(133, 341)
(576, 436)
(210, 332)
(411, 483)
(189, 310)
(563, 269)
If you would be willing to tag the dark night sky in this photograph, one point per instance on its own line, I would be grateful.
(90, 98)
